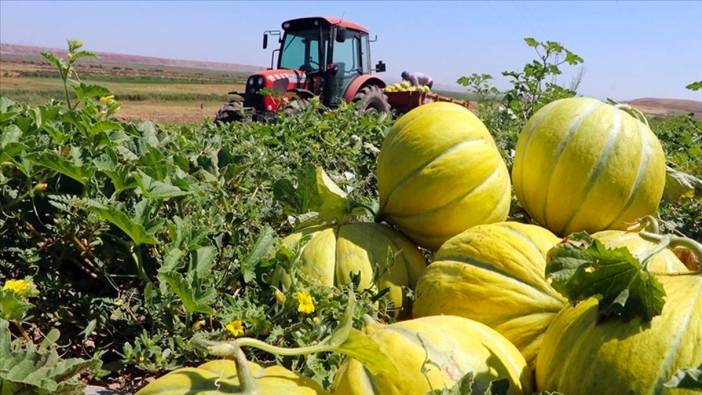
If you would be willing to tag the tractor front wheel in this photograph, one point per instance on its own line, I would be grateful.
(372, 99)
(230, 112)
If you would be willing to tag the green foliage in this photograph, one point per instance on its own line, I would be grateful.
(681, 137)
(479, 85)
(694, 86)
(31, 369)
(12, 306)
(534, 86)
(139, 236)
(464, 386)
(582, 267)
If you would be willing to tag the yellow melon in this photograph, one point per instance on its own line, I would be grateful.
(439, 173)
(581, 164)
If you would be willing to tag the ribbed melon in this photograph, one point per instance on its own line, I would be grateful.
(494, 274)
(582, 356)
(220, 377)
(439, 173)
(663, 262)
(454, 345)
(333, 254)
(581, 164)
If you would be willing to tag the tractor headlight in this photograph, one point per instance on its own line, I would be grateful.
(259, 81)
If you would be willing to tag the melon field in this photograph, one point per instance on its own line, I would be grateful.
(541, 242)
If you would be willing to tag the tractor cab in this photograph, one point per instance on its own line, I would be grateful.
(318, 56)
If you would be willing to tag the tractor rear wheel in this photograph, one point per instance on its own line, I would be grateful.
(230, 112)
(372, 99)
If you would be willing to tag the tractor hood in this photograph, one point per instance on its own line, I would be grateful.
(271, 76)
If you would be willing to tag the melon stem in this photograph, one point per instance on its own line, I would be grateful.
(650, 224)
(670, 241)
(231, 350)
(635, 112)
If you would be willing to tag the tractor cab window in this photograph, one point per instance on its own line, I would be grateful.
(347, 54)
(300, 50)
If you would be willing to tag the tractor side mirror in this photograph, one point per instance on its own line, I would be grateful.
(380, 67)
(340, 34)
(265, 40)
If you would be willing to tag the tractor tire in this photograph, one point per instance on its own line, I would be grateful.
(372, 99)
(296, 106)
(230, 112)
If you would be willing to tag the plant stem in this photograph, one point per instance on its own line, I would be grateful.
(251, 342)
(672, 242)
(22, 331)
(64, 77)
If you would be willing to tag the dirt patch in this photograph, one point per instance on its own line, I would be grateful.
(172, 112)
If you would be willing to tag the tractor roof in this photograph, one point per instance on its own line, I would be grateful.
(331, 20)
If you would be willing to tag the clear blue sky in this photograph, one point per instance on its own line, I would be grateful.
(630, 49)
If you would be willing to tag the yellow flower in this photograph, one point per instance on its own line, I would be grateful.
(105, 100)
(305, 302)
(235, 327)
(316, 320)
(24, 288)
(280, 296)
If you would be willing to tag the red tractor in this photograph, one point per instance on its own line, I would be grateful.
(318, 56)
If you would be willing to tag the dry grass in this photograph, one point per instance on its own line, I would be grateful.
(171, 112)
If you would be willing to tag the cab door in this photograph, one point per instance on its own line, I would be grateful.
(347, 60)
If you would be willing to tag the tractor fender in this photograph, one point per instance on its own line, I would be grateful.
(360, 82)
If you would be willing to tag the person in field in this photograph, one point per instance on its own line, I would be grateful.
(417, 79)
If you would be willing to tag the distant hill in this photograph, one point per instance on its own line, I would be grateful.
(657, 106)
(12, 52)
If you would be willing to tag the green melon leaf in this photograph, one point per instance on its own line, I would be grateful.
(263, 247)
(12, 306)
(53, 161)
(686, 378)
(26, 368)
(135, 230)
(157, 190)
(581, 267)
(680, 185)
(85, 91)
(464, 386)
(194, 299)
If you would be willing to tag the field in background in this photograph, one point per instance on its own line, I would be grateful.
(173, 90)
(164, 93)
